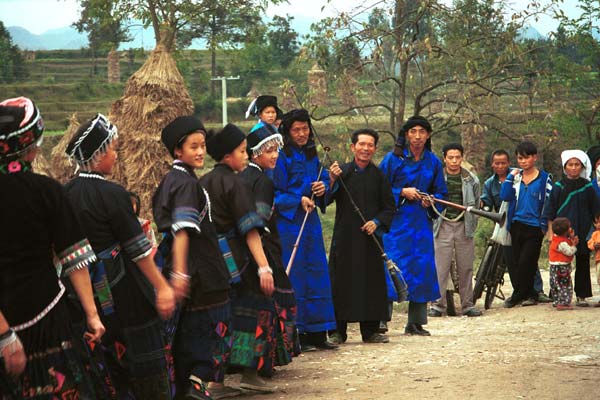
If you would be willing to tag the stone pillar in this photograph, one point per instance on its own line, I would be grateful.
(317, 86)
(114, 69)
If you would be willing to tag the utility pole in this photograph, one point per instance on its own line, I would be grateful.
(224, 80)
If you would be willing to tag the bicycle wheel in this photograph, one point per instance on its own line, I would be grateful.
(482, 273)
(490, 295)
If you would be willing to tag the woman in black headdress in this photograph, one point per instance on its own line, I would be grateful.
(36, 343)
(263, 148)
(130, 289)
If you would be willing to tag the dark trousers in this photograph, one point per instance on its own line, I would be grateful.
(314, 338)
(417, 313)
(367, 328)
(583, 282)
(526, 244)
(507, 253)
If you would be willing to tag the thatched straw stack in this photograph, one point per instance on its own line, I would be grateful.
(63, 169)
(154, 96)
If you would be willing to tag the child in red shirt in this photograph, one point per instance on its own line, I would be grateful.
(560, 254)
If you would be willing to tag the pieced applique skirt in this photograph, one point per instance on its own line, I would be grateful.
(254, 332)
(202, 344)
(54, 370)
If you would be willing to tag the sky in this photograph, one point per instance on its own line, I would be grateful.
(38, 16)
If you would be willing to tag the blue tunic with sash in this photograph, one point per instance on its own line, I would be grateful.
(410, 240)
(293, 176)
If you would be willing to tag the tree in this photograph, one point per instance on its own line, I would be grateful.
(104, 30)
(423, 56)
(222, 28)
(12, 67)
(577, 65)
(283, 40)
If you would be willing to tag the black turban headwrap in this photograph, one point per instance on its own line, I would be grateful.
(415, 120)
(287, 120)
(175, 133)
(224, 142)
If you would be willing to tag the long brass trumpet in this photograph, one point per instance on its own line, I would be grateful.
(499, 218)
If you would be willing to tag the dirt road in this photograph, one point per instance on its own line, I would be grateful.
(521, 353)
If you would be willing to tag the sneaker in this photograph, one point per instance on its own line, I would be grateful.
(563, 307)
(542, 298)
(473, 312)
(377, 338)
(337, 338)
(509, 303)
(383, 328)
(254, 384)
(434, 313)
(305, 348)
(529, 302)
(197, 390)
(581, 302)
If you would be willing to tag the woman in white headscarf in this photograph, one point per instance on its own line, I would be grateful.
(574, 197)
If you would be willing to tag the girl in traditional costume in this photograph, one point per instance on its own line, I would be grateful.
(182, 211)
(239, 227)
(130, 289)
(263, 148)
(266, 110)
(37, 359)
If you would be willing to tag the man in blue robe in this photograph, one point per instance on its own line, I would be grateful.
(412, 168)
(297, 177)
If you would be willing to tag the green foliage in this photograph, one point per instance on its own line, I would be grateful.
(12, 66)
(283, 40)
(105, 29)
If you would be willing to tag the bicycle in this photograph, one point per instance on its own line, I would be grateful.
(490, 275)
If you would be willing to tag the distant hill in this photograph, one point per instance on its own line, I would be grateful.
(66, 38)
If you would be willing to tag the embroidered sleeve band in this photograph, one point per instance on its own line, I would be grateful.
(185, 218)
(77, 256)
(138, 247)
(248, 222)
(264, 210)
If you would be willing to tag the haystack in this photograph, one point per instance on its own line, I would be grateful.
(41, 166)
(62, 169)
(154, 96)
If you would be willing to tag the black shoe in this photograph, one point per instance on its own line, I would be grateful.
(377, 338)
(415, 329)
(509, 303)
(422, 330)
(326, 345)
(197, 390)
(434, 313)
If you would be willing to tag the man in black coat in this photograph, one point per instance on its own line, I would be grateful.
(355, 263)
